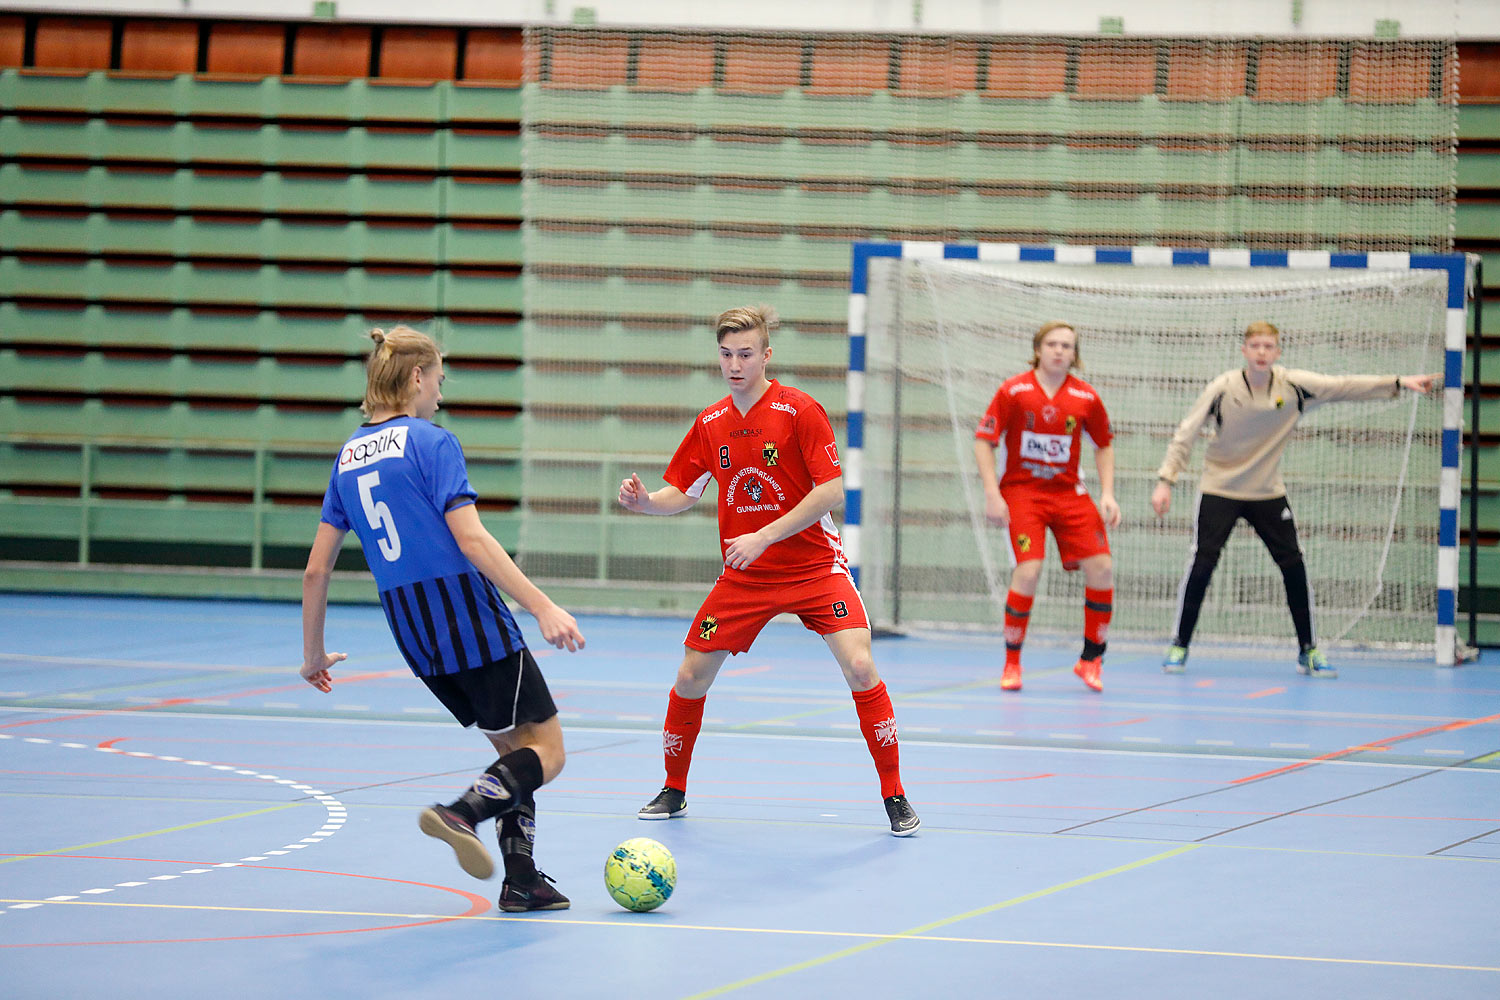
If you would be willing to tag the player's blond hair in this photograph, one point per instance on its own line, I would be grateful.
(1056, 324)
(762, 318)
(1260, 328)
(397, 353)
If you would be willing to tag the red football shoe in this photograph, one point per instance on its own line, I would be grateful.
(1011, 679)
(1088, 672)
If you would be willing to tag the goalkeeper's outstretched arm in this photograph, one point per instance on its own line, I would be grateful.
(1180, 448)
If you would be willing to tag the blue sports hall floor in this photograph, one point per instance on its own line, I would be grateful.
(183, 816)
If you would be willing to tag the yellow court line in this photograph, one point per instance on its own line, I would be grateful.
(993, 907)
(777, 720)
(1486, 758)
(950, 689)
(874, 939)
(139, 836)
(895, 699)
(82, 697)
(790, 823)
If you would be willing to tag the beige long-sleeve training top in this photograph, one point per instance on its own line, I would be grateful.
(1251, 429)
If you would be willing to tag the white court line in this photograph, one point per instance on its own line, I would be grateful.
(336, 814)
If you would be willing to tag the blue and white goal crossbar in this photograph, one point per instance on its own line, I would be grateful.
(1455, 265)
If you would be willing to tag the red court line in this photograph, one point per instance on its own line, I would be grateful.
(170, 702)
(1267, 691)
(1376, 745)
(477, 905)
(987, 781)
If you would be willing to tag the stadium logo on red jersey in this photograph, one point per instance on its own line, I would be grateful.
(783, 407)
(716, 414)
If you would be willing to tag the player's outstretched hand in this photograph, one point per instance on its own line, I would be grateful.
(996, 511)
(1419, 383)
(633, 493)
(317, 674)
(559, 628)
(1161, 499)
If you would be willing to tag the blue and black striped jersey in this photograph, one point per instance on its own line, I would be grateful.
(392, 484)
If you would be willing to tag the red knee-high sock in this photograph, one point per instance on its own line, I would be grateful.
(1017, 617)
(678, 734)
(877, 720)
(1097, 607)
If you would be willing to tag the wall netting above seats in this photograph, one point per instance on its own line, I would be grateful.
(670, 175)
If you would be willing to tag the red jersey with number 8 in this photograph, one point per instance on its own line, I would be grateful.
(765, 462)
(1043, 433)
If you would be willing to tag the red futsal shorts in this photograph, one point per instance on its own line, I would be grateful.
(736, 610)
(1072, 516)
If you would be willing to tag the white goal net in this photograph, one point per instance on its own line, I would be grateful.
(1362, 478)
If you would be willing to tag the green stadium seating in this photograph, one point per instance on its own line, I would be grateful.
(101, 253)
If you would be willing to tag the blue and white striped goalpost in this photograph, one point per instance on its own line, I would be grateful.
(1456, 266)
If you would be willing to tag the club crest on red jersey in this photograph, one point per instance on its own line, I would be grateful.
(769, 453)
(707, 627)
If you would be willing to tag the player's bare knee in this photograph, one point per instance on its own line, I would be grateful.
(690, 684)
(552, 763)
(860, 672)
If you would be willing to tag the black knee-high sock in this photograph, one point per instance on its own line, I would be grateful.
(503, 786)
(517, 833)
(1299, 601)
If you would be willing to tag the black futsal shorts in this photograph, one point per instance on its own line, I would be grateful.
(498, 696)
